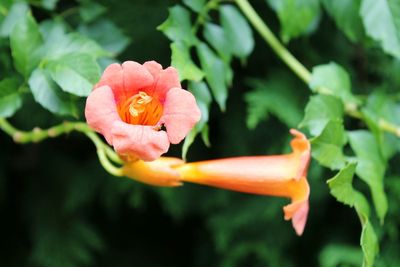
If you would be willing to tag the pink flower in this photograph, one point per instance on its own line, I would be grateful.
(133, 103)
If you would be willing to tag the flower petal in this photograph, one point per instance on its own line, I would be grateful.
(302, 150)
(125, 80)
(153, 67)
(298, 209)
(181, 113)
(101, 112)
(136, 77)
(139, 141)
(167, 79)
(113, 77)
(164, 79)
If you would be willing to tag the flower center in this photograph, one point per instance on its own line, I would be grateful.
(141, 109)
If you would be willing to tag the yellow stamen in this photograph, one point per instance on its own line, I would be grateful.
(140, 109)
(138, 103)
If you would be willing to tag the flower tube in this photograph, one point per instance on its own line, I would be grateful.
(159, 172)
(278, 175)
(141, 109)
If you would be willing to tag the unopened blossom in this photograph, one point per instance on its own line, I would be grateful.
(278, 175)
(141, 109)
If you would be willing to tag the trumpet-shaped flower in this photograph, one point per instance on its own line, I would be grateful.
(159, 172)
(141, 109)
(278, 175)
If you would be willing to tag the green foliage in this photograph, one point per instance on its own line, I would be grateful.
(319, 111)
(214, 69)
(75, 73)
(26, 45)
(195, 5)
(346, 16)
(382, 23)
(10, 98)
(181, 60)
(274, 96)
(370, 168)
(342, 190)
(332, 79)
(231, 37)
(203, 99)
(297, 17)
(336, 254)
(236, 28)
(49, 95)
(178, 26)
(114, 41)
(61, 209)
(17, 11)
(328, 146)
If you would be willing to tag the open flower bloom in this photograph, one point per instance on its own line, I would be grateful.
(131, 105)
(280, 175)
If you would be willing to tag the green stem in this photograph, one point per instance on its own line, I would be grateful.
(105, 162)
(104, 152)
(275, 44)
(389, 127)
(38, 134)
(299, 69)
(201, 18)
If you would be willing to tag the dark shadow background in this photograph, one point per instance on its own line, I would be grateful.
(58, 207)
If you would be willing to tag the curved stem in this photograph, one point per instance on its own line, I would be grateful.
(105, 162)
(275, 44)
(104, 152)
(297, 67)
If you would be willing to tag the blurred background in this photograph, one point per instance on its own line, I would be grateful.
(59, 207)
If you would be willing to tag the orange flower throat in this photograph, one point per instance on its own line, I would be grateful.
(140, 109)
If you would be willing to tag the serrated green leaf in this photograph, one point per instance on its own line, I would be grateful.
(381, 20)
(195, 5)
(216, 37)
(272, 96)
(369, 244)
(115, 41)
(26, 45)
(181, 60)
(297, 17)
(370, 168)
(342, 189)
(332, 79)
(10, 99)
(178, 26)
(89, 11)
(17, 11)
(215, 71)
(319, 111)
(46, 92)
(203, 99)
(327, 148)
(237, 31)
(75, 73)
(379, 109)
(345, 13)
